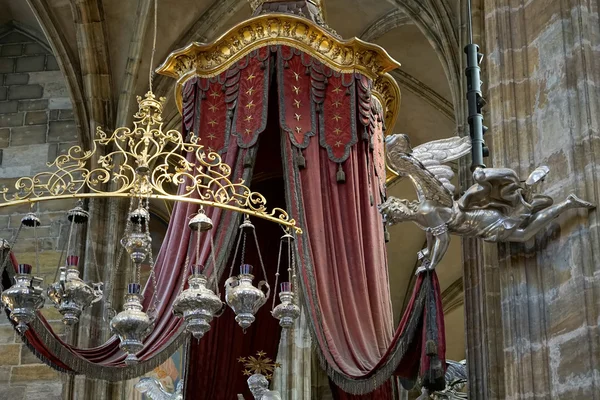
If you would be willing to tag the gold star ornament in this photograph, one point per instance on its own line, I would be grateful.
(259, 364)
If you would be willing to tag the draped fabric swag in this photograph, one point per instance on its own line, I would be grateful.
(326, 130)
(331, 134)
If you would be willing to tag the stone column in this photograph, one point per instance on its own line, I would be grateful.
(533, 309)
(293, 379)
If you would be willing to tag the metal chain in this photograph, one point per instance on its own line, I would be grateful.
(243, 246)
(155, 301)
(111, 279)
(70, 236)
(289, 243)
(62, 253)
(215, 273)
(98, 277)
(11, 245)
(262, 265)
(294, 278)
(37, 253)
(277, 273)
(198, 264)
(237, 247)
(185, 268)
(151, 72)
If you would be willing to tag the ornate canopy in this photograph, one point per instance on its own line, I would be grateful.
(347, 56)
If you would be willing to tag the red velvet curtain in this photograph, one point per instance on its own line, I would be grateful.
(344, 272)
(221, 377)
(214, 373)
(347, 249)
(343, 264)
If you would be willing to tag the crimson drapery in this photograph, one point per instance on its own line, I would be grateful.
(214, 373)
(333, 184)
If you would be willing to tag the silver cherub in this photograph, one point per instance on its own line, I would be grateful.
(498, 207)
(456, 380)
(259, 387)
(152, 388)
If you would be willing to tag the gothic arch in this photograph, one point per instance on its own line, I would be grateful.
(384, 24)
(441, 28)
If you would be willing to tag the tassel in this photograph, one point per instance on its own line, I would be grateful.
(341, 175)
(431, 348)
(286, 65)
(307, 71)
(247, 161)
(386, 234)
(433, 378)
(300, 160)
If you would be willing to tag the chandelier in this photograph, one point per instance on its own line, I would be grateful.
(146, 163)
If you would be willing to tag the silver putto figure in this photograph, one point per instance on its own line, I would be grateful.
(259, 387)
(456, 382)
(498, 207)
(152, 388)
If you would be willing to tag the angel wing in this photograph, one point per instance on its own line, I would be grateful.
(433, 155)
(424, 164)
(153, 389)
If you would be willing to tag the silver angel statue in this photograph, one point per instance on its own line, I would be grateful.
(259, 387)
(456, 380)
(498, 207)
(153, 389)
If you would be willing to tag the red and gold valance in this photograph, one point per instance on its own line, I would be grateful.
(344, 56)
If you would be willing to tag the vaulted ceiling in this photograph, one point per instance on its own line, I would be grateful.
(104, 49)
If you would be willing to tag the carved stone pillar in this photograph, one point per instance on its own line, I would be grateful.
(293, 379)
(533, 309)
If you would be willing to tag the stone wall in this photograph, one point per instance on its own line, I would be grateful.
(533, 313)
(36, 124)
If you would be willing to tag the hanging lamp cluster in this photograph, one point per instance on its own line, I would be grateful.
(143, 164)
(199, 304)
(70, 294)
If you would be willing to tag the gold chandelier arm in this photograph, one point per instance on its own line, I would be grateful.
(276, 215)
(150, 162)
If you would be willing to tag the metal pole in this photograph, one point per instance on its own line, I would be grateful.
(475, 100)
(469, 22)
